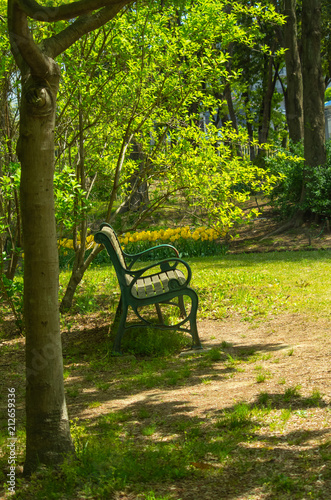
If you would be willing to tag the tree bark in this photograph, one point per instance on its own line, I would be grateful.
(48, 434)
(269, 84)
(294, 91)
(138, 197)
(313, 97)
(313, 85)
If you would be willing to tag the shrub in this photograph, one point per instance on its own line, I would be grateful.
(289, 166)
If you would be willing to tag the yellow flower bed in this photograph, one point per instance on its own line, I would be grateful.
(172, 235)
(189, 242)
(69, 244)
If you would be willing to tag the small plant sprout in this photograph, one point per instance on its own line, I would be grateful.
(102, 386)
(94, 404)
(291, 393)
(149, 430)
(214, 354)
(143, 413)
(261, 377)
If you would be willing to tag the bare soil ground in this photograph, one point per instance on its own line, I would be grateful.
(265, 234)
(296, 354)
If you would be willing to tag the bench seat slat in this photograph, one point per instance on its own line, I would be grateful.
(150, 291)
(180, 276)
(156, 284)
(140, 291)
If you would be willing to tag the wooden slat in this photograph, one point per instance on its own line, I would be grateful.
(115, 244)
(180, 276)
(149, 287)
(171, 275)
(141, 292)
(134, 290)
(165, 281)
(157, 284)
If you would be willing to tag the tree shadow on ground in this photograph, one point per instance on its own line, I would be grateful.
(267, 448)
(97, 377)
(229, 455)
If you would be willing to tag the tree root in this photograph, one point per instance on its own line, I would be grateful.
(285, 227)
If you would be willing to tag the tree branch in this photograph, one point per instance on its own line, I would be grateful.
(66, 11)
(25, 49)
(57, 44)
(22, 44)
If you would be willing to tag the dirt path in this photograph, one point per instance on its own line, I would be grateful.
(295, 355)
(289, 349)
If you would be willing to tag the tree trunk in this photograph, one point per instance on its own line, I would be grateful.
(138, 197)
(294, 92)
(232, 114)
(313, 85)
(269, 84)
(313, 97)
(48, 434)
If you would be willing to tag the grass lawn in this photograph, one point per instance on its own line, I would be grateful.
(247, 418)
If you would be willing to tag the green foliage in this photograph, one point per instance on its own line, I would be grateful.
(11, 291)
(291, 394)
(153, 342)
(160, 86)
(164, 66)
(239, 417)
(283, 483)
(71, 204)
(9, 198)
(9, 181)
(290, 168)
(319, 187)
(214, 355)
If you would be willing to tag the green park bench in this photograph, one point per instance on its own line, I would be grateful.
(158, 283)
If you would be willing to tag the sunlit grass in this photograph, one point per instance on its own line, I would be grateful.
(252, 286)
(255, 285)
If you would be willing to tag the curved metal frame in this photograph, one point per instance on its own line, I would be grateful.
(176, 289)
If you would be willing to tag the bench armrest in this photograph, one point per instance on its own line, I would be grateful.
(135, 257)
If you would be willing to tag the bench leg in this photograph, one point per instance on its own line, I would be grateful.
(118, 310)
(159, 313)
(117, 315)
(193, 321)
(182, 306)
(120, 329)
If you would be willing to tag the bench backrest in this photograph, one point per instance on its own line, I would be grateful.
(108, 238)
